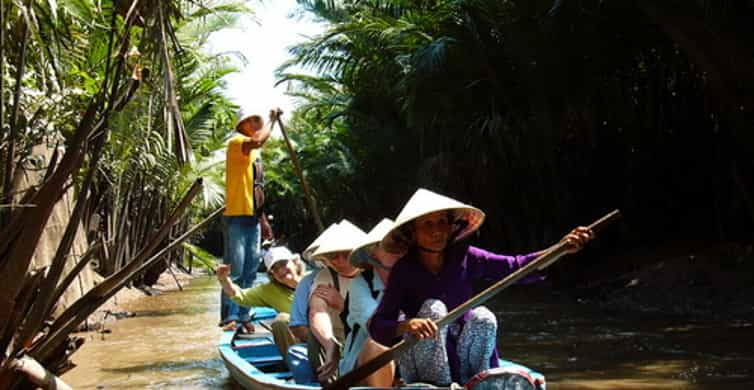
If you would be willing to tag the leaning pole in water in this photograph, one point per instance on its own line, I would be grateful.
(300, 174)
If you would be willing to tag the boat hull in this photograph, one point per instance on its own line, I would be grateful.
(255, 363)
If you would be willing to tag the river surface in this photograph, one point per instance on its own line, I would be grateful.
(170, 344)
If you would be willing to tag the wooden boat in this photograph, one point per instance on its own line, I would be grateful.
(255, 363)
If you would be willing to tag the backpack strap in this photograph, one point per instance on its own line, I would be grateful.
(368, 275)
(258, 172)
(258, 188)
(335, 279)
(343, 314)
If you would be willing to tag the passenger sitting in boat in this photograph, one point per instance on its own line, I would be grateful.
(437, 274)
(328, 303)
(344, 309)
(297, 357)
(365, 294)
(285, 270)
(300, 311)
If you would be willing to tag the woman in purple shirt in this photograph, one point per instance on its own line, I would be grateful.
(436, 275)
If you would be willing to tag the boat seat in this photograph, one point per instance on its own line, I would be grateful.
(263, 361)
(281, 375)
(252, 336)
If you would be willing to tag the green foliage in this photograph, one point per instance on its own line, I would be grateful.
(66, 62)
(542, 113)
(201, 257)
(319, 139)
(136, 106)
(142, 147)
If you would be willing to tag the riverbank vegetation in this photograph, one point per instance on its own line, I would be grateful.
(544, 114)
(119, 106)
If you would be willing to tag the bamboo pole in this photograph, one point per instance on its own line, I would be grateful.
(300, 174)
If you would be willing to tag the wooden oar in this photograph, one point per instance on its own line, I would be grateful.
(300, 174)
(542, 261)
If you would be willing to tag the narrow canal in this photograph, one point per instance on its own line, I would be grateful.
(170, 344)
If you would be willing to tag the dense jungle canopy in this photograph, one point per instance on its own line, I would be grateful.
(544, 113)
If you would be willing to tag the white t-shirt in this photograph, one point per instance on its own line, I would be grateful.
(361, 299)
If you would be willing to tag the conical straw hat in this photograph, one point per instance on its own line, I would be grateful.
(360, 255)
(465, 219)
(307, 253)
(342, 238)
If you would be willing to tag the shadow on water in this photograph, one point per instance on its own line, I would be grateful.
(581, 347)
(171, 344)
(172, 312)
(182, 365)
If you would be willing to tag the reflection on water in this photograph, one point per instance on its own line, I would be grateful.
(579, 347)
(171, 344)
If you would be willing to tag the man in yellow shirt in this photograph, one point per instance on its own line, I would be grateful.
(243, 218)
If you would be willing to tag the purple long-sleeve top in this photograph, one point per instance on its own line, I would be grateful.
(410, 284)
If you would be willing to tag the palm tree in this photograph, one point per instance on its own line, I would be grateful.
(541, 112)
(126, 88)
(147, 154)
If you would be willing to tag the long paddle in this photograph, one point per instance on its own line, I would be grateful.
(542, 261)
(300, 174)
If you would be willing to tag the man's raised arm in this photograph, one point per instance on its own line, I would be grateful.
(256, 140)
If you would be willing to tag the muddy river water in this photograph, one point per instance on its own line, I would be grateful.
(170, 344)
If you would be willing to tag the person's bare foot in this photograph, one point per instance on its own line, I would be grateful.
(230, 325)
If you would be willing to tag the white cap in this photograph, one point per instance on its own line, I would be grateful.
(277, 254)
